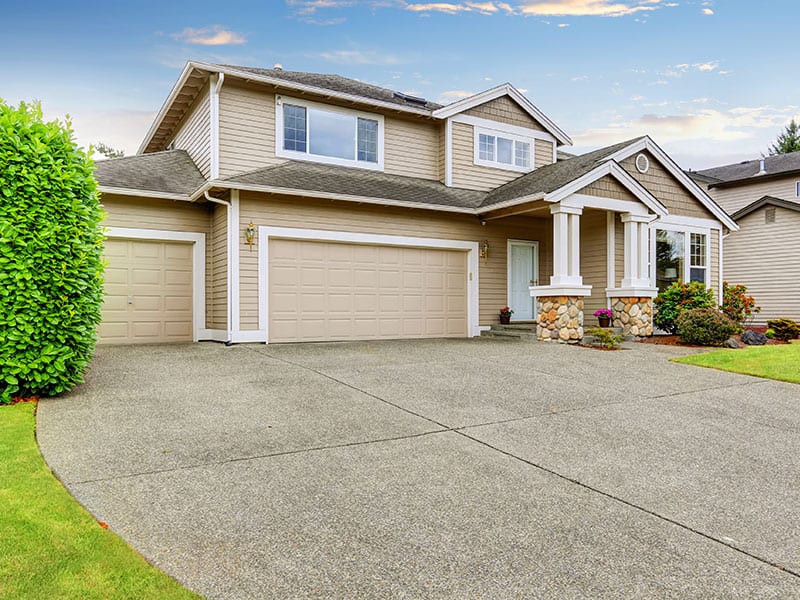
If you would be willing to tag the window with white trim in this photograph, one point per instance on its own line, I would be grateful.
(681, 256)
(312, 131)
(501, 150)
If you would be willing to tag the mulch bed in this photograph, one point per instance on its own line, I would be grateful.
(674, 340)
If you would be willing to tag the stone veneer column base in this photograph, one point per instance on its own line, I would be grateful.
(560, 319)
(634, 315)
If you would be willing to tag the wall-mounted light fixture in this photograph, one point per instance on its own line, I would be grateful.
(250, 235)
(485, 249)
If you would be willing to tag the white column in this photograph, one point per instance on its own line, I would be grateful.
(566, 246)
(636, 251)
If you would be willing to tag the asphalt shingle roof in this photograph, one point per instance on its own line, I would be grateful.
(553, 176)
(773, 165)
(171, 171)
(314, 177)
(337, 83)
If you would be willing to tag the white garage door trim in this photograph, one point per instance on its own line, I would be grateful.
(319, 235)
(198, 241)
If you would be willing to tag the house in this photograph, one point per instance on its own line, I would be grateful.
(267, 205)
(763, 197)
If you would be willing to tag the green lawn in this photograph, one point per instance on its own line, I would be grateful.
(773, 362)
(51, 546)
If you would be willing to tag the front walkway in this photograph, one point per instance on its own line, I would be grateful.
(449, 469)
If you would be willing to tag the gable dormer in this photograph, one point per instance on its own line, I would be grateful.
(494, 137)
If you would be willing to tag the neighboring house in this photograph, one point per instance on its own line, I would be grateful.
(275, 206)
(763, 196)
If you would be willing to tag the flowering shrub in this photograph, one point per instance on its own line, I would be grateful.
(506, 312)
(604, 313)
(736, 304)
(705, 326)
(677, 298)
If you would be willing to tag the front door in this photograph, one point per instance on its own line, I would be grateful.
(523, 272)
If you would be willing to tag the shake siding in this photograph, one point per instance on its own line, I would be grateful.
(466, 174)
(505, 110)
(666, 188)
(736, 198)
(763, 256)
(246, 130)
(411, 148)
(217, 293)
(342, 216)
(593, 262)
(608, 187)
(194, 134)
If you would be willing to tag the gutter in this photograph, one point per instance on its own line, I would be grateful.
(229, 307)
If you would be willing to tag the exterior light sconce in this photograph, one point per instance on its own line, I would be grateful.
(250, 235)
(485, 250)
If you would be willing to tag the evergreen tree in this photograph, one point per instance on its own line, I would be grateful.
(788, 141)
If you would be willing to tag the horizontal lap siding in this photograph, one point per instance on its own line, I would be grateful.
(411, 148)
(736, 198)
(217, 291)
(246, 130)
(194, 134)
(466, 174)
(594, 261)
(763, 256)
(342, 216)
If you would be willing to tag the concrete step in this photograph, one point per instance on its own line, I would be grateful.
(526, 326)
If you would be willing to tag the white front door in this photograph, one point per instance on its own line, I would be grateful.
(523, 272)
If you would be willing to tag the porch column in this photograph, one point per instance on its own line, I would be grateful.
(566, 246)
(637, 251)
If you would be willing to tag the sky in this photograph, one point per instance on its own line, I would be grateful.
(711, 81)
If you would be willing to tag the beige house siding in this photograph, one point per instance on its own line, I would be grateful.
(333, 216)
(594, 262)
(194, 133)
(763, 256)
(411, 148)
(505, 110)
(166, 215)
(542, 153)
(663, 185)
(714, 271)
(608, 187)
(737, 197)
(246, 130)
(217, 290)
(466, 174)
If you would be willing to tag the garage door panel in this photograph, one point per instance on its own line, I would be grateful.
(157, 276)
(337, 291)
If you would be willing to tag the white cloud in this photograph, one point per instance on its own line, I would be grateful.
(587, 8)
(681, 69)
(309, 7)
(454, 95)
(215, 35)
(359, 57)
(708, 11)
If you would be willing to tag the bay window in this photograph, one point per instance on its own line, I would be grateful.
(329, 134)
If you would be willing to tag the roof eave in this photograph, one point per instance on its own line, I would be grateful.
(765, 201)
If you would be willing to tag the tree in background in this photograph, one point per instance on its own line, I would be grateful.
(788, 141)
(108, 151)
(51, 266)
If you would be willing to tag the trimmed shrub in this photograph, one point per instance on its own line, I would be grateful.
(737, 305)
(677, 298)
(705, 326)
(51, 247)
(784, 329)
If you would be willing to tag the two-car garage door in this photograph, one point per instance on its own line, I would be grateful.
(322, 291)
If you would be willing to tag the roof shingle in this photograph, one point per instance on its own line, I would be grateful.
(170, 172)
(773, 165)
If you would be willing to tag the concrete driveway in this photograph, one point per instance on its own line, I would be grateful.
(437, 469)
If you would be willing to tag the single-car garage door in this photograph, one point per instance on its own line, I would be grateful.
(148, 292)
(321, 291)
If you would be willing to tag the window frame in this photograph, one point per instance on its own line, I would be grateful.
(797, 189)
(281, 152)
(500, 133)
(687, 231)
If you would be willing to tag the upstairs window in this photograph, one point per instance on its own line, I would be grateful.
(311, 131)
(503, 151)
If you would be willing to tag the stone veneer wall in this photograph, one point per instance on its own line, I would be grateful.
(633, 315)
(560, 319)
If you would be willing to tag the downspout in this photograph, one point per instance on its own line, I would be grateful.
(228, 214)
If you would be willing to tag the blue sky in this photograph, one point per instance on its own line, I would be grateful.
(712, 81)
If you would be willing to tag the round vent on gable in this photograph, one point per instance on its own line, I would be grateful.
(642, 163)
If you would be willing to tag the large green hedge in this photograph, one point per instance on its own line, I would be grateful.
(51, 270)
